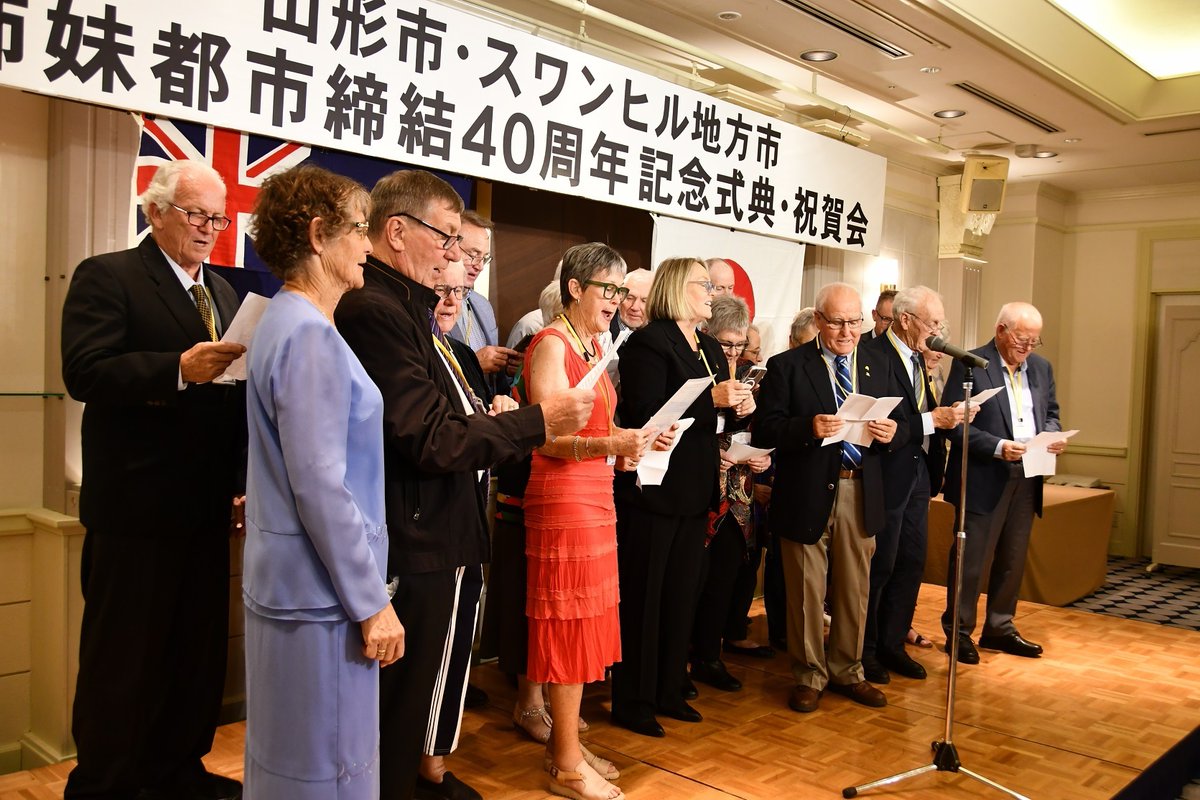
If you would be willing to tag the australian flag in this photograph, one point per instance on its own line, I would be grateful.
(245, 161)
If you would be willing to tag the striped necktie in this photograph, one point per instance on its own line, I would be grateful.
(206, 315)
(851, 456)
(918, 378)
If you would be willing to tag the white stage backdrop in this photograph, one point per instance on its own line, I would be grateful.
(768, 271)
(424, 84)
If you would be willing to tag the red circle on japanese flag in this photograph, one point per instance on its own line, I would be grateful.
(742, 287)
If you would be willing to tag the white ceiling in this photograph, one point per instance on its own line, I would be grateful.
(1134, 130)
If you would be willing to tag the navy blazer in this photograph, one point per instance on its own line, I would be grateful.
(795, 389)
(988, 474)
(126, 321)
(899, 464)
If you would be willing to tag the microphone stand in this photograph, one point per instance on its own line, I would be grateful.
(945, 754)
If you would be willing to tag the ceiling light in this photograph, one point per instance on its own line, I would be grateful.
(930, 70)
(818, 55)
(950, 113)
(729, 16)
(1045, 154)
(1073, 140)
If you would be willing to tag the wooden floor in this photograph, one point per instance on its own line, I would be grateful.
(1109, 697)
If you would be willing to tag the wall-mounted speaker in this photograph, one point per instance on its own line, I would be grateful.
(983, 183)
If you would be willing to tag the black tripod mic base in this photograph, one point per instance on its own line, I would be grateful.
(945, 756)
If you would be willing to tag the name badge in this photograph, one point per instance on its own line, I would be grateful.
(720, 423)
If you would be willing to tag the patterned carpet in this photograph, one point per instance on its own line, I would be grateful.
(1168, 596)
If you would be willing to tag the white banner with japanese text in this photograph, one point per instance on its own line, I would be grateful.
(433, 86)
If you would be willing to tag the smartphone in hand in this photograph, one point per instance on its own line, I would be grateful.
(755, 375)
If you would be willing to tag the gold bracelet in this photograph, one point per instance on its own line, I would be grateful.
(587, 447)
(575, 449)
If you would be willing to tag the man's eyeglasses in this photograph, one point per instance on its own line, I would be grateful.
(611, 290)
(838, 324)
(446, 290)
(732, 347)
(1024, 342)
(885, 318)
(360, 228)
(940, 329)
(473, 259)
(450, 239)
(709, 286)
(199, 218)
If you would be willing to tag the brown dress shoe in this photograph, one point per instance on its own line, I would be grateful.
(861, 692)
(804, 699)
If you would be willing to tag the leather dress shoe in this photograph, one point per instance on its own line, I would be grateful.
(875, 672)
(900, 663)
(1012, 643)
(804, 699)
(475, 698)
(682, 712)
(646, 726)
(967, 654)
(761, 651)
(715, 675)
(862, 693)
(451, 788)
(689, 690)
(780, 644)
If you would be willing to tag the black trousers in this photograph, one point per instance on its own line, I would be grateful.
(724, 558)
(424, 602)
(505, 627)
(896, 570)
(450, 685)
(774, 592)
(660, 560)
(152, 655)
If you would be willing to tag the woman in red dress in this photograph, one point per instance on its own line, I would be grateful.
(570, 522)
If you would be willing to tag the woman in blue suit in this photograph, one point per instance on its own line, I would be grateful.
(319, 623)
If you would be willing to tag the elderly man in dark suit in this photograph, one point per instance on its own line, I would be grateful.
(163, 447)
(912, 471)
(827, 504)
(1001, 501)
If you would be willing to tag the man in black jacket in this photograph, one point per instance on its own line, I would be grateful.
(435, 445)
(827, 501)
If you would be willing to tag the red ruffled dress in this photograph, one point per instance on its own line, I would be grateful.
(571, 551)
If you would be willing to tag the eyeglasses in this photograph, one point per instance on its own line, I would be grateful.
(709, 286)
(752, 351)
(882, 318)
(1024, 342)
(611, 290)
(219, 222)
(450, 239)
(940, 329)
(476, 258)
(838, 324)
(360, 228)
(732, 347)
(445, 291)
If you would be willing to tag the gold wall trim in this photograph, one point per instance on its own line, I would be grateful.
(1097, 450)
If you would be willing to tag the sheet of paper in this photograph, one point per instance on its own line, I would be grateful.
(674, 408)
(1037, 460)
(652, 466)
(740, 450)
(241, 331)
(856, 411)
(985, 395)
(589, 381)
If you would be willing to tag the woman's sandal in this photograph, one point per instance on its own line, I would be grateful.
(535, 722)
(583, 726)
(918, 639)
(604, 768)
(594, 786)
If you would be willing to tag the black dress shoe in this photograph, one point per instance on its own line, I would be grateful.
(451, 788)
(875, 672)
(682, 712)
(967, 654)
(902, 664)
(1013, 644)
(780, 644)
(646, 726)
(689, 690)
(715, 675)
(475, 698)
(761, 651)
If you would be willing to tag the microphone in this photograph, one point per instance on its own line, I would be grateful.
(942, 346)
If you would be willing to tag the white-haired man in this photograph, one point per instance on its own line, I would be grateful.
(721, 274)
(162, 451)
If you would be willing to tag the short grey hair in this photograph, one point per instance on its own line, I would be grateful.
(910, 300)
(583, 262)
(804, 318)
(1012, 313)
(833, 288)
(640, 274)
(165, 183)
(728, 314)
(550, 302)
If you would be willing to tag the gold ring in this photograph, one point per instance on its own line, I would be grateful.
(380, 651)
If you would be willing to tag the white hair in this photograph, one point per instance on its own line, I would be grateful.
(908, 301)
(833, 288)
(165, 183)
(635, 275)
(550, 302)
(1012, 313)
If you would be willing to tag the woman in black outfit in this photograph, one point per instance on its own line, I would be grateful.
(660, 534)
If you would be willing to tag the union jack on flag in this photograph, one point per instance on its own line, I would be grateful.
(242, 159)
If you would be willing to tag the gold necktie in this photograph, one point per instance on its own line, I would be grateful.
(202, 305)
